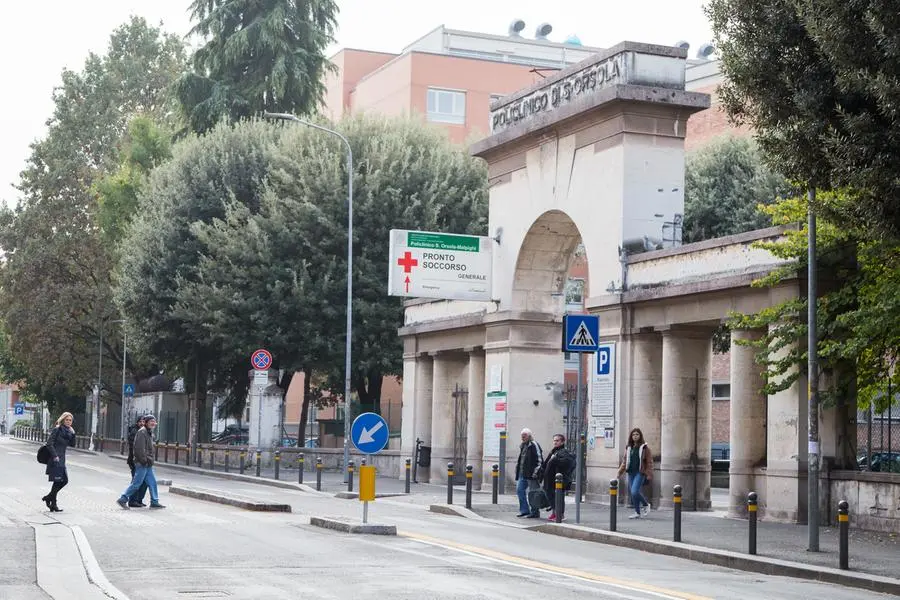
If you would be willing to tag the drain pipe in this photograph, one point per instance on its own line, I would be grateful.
(694, 458)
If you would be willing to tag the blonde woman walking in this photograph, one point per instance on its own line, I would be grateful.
(62, 436)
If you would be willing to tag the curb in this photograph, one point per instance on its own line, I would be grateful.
(236, 501)
(285, 485)
(347, 527)
(92, 567)
(355, 495)
(453, 510)
(725, 558)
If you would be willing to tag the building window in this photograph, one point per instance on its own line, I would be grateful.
(721, 391)
(446, 106)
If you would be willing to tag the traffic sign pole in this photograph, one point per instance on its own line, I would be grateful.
(579, 460)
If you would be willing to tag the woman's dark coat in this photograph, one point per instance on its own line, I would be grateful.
(60, 438)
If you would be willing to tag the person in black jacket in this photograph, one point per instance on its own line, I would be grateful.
(527, 467)
(62, 436)
(137, 499)
(560, 460)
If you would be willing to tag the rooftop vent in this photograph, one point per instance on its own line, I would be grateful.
(705, 51)
(516, 27)
(573, 40)
(542, 31)
(683, 45)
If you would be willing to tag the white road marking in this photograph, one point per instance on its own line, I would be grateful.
(14, 453)
(97, 489)
(5, 522)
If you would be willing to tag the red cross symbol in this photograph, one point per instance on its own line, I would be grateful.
(408, 262)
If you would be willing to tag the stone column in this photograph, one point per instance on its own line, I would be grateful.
(408, 408)
(423, 401)
(747, 432)
(686, 408)
(475, 421)
(646, 397)
(443, 425)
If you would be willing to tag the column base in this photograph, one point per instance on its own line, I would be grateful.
(669, 477)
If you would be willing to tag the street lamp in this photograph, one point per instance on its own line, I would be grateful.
(95, 417)
(348, 347)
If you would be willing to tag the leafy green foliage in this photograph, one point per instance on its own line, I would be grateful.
(725, 182)
(818, 81)
(257, 56)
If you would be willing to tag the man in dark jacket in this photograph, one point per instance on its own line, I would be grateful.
(562, 461)
(137, 499)
(143, 465)
(530, 459)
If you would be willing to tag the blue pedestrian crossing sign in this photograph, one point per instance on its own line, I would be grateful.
(581, 333)
(369, 433)
(128, 390)
(19, 408)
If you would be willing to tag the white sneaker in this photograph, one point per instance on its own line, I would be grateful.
(634, 516)
(645, 510)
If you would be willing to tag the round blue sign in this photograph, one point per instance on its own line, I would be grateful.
(369, 433)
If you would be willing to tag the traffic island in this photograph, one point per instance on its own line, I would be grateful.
(453, 510)
(229, 499)
(347, 526)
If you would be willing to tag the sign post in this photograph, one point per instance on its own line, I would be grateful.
(580, 335)
(369, 434)
(261, 361)
(423, 264)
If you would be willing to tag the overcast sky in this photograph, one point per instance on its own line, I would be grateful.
(42, 37)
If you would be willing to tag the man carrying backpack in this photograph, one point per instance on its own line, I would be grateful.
(560, 460)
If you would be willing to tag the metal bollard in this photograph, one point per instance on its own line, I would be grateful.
(408, 470)
(844, 534)
(176, 453)
(242, 457)
(502, 463)
(449, 483)
(227, 460)
(212, 459)
(469, 487)
(495, 483)
(318, 474)
(199, 456)
(301, 465)
(559, 508)
(156, 453)
(676, 505)
(350, 476)
(752, 506)
(122, 447)
(100, 444)
(277, 463)
(166, 452)
(613, 502)
(258, 461)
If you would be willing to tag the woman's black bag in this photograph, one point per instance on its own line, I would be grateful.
(43, 455)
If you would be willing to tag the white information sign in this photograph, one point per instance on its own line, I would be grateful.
(424, 264)
(260, 378)
(494, 422)
(602, 393)
(496, 380)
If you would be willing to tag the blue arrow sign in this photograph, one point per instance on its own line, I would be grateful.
(128, 390)
(369, 433)
(581, 333)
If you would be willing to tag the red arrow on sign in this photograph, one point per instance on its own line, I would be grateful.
(407, 284)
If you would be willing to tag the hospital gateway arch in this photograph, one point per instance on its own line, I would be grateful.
(595, 154)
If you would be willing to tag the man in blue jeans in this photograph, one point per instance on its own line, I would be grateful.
(527, 474)
(143, 465)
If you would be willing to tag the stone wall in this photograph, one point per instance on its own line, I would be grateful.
(874, 499)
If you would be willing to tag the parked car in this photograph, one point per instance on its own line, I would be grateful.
(882, 462)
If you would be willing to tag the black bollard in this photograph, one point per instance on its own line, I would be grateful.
(242, 457)
(676, 505)
(301, 466)
(227, 460)
(408, 470)
(156, 453)
(350, 476)
(166, 452)
(844, 534)
(469, 487)
(752, 505)
(212, 459)
(318, 474)
(560, 500)
(613, 502)
(502, 462)
(258, 461)
(277, 463)
(176, 453)
(495, 483)
(200, 456)
(449, 483)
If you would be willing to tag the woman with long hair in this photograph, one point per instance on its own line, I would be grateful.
(638, 463)
(62, 436)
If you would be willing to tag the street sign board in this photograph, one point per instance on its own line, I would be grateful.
(581, 333)
(369, 433)
(261, 360)
(424, 264)
(260, 378)
(128, 390)
(19, 408)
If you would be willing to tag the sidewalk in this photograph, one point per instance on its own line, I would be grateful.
(870, 552)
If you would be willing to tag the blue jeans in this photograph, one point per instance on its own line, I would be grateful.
(635, 482)
(142, 475)
(523, 486)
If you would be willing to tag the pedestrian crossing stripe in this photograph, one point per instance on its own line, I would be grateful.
(582, 337)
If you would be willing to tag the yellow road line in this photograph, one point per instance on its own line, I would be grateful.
(532, 564)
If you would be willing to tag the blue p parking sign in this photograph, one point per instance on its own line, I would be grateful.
(604, 359)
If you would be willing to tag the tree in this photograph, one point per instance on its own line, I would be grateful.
(257, 56)
(818, 81)
(55, 282)
(724, 185)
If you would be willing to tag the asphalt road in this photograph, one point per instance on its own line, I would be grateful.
(195, 549)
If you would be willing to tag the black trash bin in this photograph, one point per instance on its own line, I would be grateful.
(424, 456)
